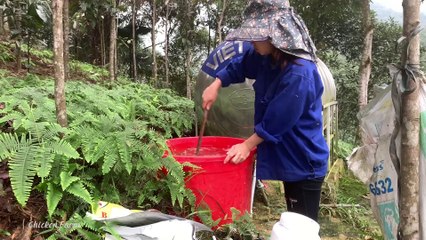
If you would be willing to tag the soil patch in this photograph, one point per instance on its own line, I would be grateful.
(15, 219)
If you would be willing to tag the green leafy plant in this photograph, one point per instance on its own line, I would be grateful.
(6, 54)
(28, 156)
(112, 149)
(242, 227)
(91, 72)
(353, 207)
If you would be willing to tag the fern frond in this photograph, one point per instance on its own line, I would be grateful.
(35, 128)
(13, 115)
(177, 192)
(45, 159)
(110, 159)
(125, 155)
(54, 195)
(67, 179)
(25, 107)
(52, 237)
(53, 130)
(77, 189)
(87, 235)
(95, 150)
(9, 143)
(84, 136)
(109, 123)
(89, 223)
(109, 227)
(88, 182)
(64, 148)
(23, 167)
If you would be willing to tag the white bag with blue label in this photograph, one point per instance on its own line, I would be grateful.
(372, 163)
(377, 162)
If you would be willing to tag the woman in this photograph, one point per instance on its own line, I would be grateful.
(288, 108)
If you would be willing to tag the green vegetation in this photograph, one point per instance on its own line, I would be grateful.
(351, 213)
(116, 136)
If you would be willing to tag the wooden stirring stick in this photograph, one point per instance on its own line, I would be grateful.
(200, 136)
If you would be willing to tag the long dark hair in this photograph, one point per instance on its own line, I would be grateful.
(281, 58)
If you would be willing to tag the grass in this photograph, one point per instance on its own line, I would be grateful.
(351, 215)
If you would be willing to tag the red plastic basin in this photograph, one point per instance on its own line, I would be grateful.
(220, 186)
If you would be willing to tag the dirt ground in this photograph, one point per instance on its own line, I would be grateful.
(12, 215)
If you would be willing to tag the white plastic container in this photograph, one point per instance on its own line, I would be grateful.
(294, 226)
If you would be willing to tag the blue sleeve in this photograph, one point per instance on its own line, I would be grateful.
(240, 68)
(293, 94)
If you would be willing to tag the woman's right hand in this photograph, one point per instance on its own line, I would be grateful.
(210, 94)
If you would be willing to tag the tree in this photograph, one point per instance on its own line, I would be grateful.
(1, 22)
(18, 27)
(366, 59)
(187, 15)
(166, 45)
(113, 43)
(409, 119)
(66, 39)
(153, 40)
(365, 67)
(333, 24)
(134, 64)
(220, 22)
(58, 51)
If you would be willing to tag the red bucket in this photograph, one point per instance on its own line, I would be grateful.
(220, 186)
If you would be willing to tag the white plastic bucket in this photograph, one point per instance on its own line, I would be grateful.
(294, 226)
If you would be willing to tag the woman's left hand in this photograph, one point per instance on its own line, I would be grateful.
(237, 153)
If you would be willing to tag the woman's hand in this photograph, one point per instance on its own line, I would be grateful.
(237, 153)
(240, 152)
(210, 94)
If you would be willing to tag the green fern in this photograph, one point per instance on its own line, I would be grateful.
(63, 148)
(23, 167)
(67, 179)
(13, 115)
(28, 158)
(77, 227)
(45, 158)
(110, 158)
(115, 136)
(125, 155)
(22, 163)
(9, 143)
(54, 195)
(77, 189)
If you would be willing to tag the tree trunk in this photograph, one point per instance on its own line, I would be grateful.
(166, 47)
(220, 21)
(134, 64)
(210, 38)
(116, 52)
(58, 61)
(410, 113)
(188, 72)
(154, 55)
(19, 38)
(102, 41)
(66, 40)
(189, 18)
(1, 22)
(365, 67)
(112, 43)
